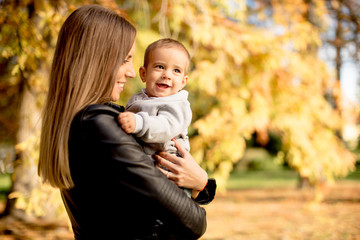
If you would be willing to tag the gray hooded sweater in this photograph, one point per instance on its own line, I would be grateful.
(159, 119)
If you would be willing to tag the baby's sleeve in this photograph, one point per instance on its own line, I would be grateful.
(169, 122)
(139, 123)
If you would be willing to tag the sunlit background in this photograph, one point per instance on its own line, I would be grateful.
(274, 90)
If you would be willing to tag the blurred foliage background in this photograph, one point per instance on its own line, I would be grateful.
(256, 80)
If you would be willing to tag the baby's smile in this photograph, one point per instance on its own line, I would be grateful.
(162, 85)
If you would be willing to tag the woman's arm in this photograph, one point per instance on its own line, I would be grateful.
(131, 169)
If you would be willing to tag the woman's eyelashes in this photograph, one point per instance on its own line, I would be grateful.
(128, 59)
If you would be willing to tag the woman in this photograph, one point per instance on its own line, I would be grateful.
(110, 187)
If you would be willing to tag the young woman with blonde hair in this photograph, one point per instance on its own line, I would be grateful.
(110, 187)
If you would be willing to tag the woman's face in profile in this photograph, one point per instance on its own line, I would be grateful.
(125, 71)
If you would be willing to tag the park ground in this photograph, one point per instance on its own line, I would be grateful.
(280, 213)
(286, 214)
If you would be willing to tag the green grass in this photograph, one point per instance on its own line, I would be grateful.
(354, 175)
(5, 184)
(272, 179)
(262, 179)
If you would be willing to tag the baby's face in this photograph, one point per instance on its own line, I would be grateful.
(165, 73)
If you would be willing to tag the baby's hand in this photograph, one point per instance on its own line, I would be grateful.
(127, 121)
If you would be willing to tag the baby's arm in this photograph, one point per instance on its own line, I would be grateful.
(162, 127)
(127, 121)
(158, 122)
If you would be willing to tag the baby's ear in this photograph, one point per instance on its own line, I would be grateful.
(185, 80)
(142, 73)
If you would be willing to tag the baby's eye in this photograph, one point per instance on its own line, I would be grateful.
(177, 70)
(159, 66)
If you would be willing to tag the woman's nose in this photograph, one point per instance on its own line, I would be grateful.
(130, 73)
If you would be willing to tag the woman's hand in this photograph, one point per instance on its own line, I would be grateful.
(183, 171)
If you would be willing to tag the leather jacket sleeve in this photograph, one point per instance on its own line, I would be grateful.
(208, 193)
(130, 169)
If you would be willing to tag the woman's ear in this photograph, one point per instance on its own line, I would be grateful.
(142, 73)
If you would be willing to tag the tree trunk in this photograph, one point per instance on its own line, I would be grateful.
(25, 172)
(28, 197)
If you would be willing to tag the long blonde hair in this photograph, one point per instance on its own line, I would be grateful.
(92, 44)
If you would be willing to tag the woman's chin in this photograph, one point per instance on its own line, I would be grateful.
(115, 99)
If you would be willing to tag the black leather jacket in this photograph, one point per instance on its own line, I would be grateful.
(119, 193)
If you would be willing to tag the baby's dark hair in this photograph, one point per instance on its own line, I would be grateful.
(165, 42)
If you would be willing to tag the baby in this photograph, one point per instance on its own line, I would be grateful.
(161, 111)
